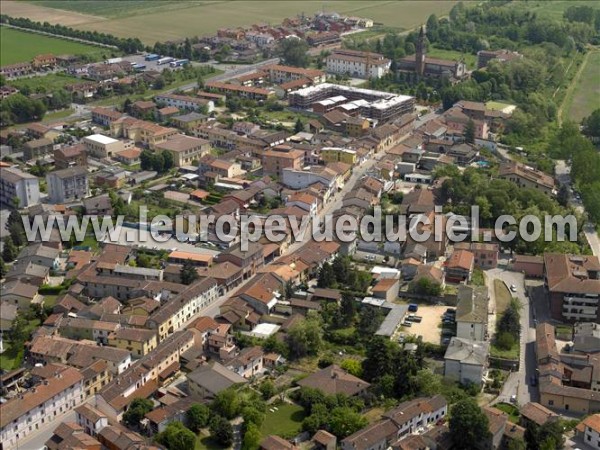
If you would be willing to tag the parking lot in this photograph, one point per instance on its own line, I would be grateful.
(428, 328)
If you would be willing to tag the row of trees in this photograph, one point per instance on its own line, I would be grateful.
(127, 45)
(158, 161)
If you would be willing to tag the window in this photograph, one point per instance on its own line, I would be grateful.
(551, 402)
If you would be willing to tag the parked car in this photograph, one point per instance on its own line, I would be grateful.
(513, 288)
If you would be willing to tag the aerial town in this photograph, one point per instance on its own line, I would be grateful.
(314, 233)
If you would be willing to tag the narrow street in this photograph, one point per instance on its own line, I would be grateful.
(518, 383)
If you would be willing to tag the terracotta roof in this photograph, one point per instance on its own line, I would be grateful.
(571, 273)
(333, 380)
(461, 259)
(593, 422)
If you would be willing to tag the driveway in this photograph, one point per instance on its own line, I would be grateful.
(518, 382)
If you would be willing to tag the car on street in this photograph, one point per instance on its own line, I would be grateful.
(513, 288)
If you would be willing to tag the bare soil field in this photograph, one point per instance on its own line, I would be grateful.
(42, 14)
(205, 17)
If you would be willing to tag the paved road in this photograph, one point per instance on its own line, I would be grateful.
(563, 176)
(518, 383)
(37, 439)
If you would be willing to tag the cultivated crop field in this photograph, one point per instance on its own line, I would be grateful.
(587, 92)
(153, 21)
(20, 46)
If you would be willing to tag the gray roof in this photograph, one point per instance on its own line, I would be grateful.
(144, 271)
(8, 311)
(70, 172)
(472, 304)
(215, 378)
(190, 117)
(38, 250)
(467, 351)
(14, 175)
(392, 320)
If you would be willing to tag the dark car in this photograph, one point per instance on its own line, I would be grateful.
(532, 380)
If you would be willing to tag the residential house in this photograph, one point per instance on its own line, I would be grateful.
(37, 148)
(185, 102)
(334, 380)
(105, 116)
(465, 360)
(24, 414)
(589, 430)
(147, 133)
(129, 156)
(472, 313)
(459, 267)
(485, 254)
(185, 149)
(537, 414)
(186, 122)
(248, 363)
(387, 289)
(91, 419)
(527, 177)
(210, 379)
(20, 294)
(137, 341)
(74, 155)
(276, 160)
(71, 435)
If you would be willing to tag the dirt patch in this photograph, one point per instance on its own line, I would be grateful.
(429, 326)
(42, 14)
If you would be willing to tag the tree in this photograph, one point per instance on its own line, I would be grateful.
(548, 436)
(347, 309)
(425, 286)
(326, 278)
(221, 431)
(344, 421)
(591, 124)
(10, 251)
(226, 404)
(251, 415)
(427, 383)
(468, 424)
(197, 417)
(17, 333)
(2, 268)
(517, 444)
(293, 52)
(563, 195)
(305, 337)
(176, 437)
(252, 438)
(352, 366)
(188, 273)
(505, 341)
(138, 408)
(470, 132)
(299, 126)
(267, 389)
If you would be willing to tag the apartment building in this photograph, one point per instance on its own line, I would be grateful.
(138, 342)
(185, 149)
(67, 185)
(18, 187)
(23, 415)
(486, 254)
(177, 311)
(102, 146)
(465, 360)
(357, 64)
(185, 102)
(147, 133)
(250, 92)
(573, 285)
(105, 116)
(37, 148)
(279, 74)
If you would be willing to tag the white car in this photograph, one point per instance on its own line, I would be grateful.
(513, 288)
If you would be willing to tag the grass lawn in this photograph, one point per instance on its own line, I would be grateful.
(503, 297)
(513, 353)
(584, 98)
(57, 115)
(478, 278)
(13, 356)
(285, 422)
(50, 300)
(511, 410)
(470, 60)
(49, 82)
(20, 46)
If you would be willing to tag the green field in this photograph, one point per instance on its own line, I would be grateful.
(470, 60)
(586, 96)
(20, 46)
(285, 422)
(550, 9)
(149, 20)
(50, 82)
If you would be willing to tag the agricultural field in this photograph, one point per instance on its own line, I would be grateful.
(20, 46)
(470, 60)
(584, 98)
(549, 9)
(147, 19)
(50, 82)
